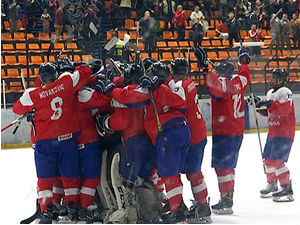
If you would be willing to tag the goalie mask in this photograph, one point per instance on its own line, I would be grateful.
(180, 66)
(225, 69)
(47, 72)
(132, 73)
(160, 70)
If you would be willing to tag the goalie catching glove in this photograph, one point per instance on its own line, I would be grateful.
(102, 125)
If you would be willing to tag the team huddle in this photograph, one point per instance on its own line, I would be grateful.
(108, 145)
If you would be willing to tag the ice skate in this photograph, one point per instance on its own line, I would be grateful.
(268, 191)
(71, 216)
(47, 216)
(199, 214)
(175, 217)
(285, 194)
(224, 206)
(90, 214)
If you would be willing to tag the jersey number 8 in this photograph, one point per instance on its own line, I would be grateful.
(56, 104)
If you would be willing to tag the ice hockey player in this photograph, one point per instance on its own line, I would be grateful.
(56, 131)
(244, 60)
(138, 157)
(279, 108)
(200, 211)
(172, 141)
(227, 104)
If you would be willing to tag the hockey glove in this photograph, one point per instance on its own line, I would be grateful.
(30, 116)
(201, 57)
(106, 74)
(262, 103)
(256, 100)
(151, 82)
(102, 125)
(104, 86)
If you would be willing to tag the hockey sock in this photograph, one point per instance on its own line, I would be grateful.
(283, 175)
(225, 180)
(71, 189)
(174, 191)
(270, 170)
(198, 187)
(45, 194)
(88, 191)
(157, 181)
(58, 190)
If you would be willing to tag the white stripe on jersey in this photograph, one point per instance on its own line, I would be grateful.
(177, 88)
(117, 104)
(45, 194)
(74, 76)
(243, 79)
(199, 188)
(226, 178)
(85, 94)
(88, 191)
(71, 191)
(26, 99)
(223, 82)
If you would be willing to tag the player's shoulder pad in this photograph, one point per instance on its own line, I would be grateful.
(284, 94)
(177, 88)
(25, 98)
(74, 76)
(85, 94)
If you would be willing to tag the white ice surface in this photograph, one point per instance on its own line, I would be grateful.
(18, 186)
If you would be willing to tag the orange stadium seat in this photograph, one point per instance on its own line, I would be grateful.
(194, 67)
(2, 73)
(129, 24)
(45, 46)
(58, 46)
(121, 34)
(34, 47)
(36, 59)
(7, 48)
(178, 55)
(13, 73)
(172, 44)
(77, 58)
(44, 37)
(10, 60)
(205, 43)
(183, 44)
(6, 25)
(30, 36)
(161, 44)
(133, 35)
(25, 72)
(167, 56)
(19, 36)
(109, 35)
(154, 55)
(223, 55)
(144, 55)
(22, 59)
(167, 35)
(141, 46)
(211, 33)
(20, 47)
(72, 46)
(162, 24)
(212, 55)
(216, 43)
(6, 36)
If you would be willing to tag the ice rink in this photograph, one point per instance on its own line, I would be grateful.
(18, 186)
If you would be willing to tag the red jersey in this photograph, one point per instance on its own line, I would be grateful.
(227, 103)
(281, 114)
(128, 120)
(54, 104)
(192, 114)
(88, 100)
(169, 104)
(245, 71)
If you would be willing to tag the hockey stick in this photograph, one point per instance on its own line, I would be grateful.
(34, 216)
(16, 121)
(255, 117)
(4, 95)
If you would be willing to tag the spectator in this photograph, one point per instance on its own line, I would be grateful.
(78, 19)
(59, 18)
(125, 8)
(46, 19)
(222, 30)
(14, 15)
(158, 9)
(29, 9)
(114, 14)
(197, 32)
(197, 14)
(285, 31)
(233, 29)
(295, 30)
(290, 8)
(255, 36)
(180, 19)
(239, 10)
(207, 8)
(223, 5)
(169, 10)
(91, 17)
(275, 30)
(271, 8)
(69, 20)
(53, 6)
(258, 14)
(147, 31)
(248, 10)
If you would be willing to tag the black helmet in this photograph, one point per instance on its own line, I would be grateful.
(132, 73)
(95, 65)
(180, 66)
(47, 73)
(147, 62)
(280, 74)
(225, 68)
(244, 56)
(160, 70)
